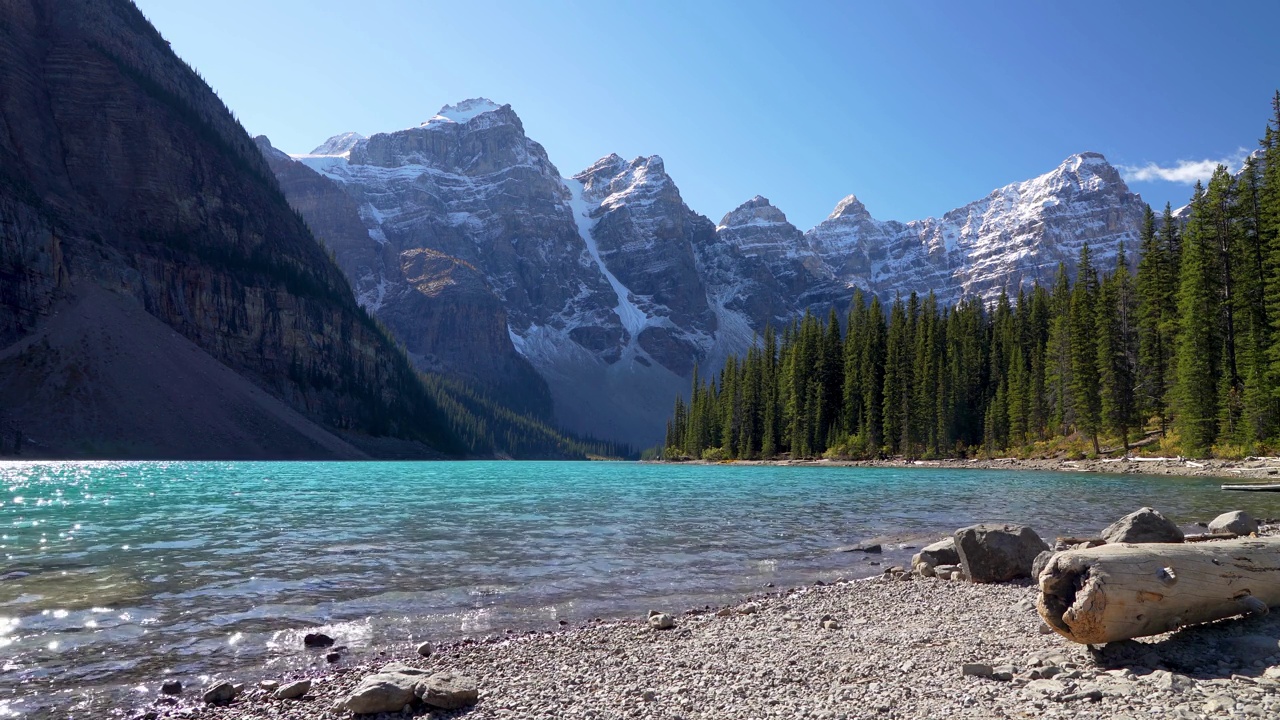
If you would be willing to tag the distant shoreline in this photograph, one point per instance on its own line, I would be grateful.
(1246, 470)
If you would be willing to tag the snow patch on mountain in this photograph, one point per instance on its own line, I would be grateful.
(338, 144)
(633, 318)
(463, 112)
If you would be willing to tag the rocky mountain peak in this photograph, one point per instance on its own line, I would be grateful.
(757, 211)
(611, 181)
(338, 144)
(465, 111)
(850, 207)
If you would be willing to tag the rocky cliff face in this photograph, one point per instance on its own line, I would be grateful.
(440, 307)
(121, 172)
(614, 289)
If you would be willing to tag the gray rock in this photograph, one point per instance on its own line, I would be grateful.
(171, 687)
(661, 621)
(981, 670)
(1143, 526)
(426, 649)
(1237, 521)
(448, 691)
(382, 692)
(293, 690)
(219, 693)
(749, 609)
(1219, 704)
(1040, 563)
(1003, 672)
(1093, 695)
(940, 553)
(996, 553)
(268, 685)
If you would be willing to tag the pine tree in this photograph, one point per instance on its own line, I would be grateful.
(1199, 339)
(1155, 307)
(1058, 381)
(1084, 350)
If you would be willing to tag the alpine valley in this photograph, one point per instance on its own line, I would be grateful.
(592, 299)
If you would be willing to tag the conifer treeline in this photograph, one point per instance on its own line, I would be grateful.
(1184, 343)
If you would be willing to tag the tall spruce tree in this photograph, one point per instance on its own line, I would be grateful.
(1199, 337)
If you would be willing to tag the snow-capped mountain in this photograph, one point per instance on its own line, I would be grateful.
(610, 286)
(1018, 234)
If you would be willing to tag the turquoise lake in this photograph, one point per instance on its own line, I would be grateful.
(114, 575)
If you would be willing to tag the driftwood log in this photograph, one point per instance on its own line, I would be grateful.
(1115, 592)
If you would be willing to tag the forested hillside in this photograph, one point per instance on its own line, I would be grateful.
(1176, 344)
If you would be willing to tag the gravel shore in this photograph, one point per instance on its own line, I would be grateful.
(873, 648)
(1244, 470)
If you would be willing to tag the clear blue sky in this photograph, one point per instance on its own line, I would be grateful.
(916, 107)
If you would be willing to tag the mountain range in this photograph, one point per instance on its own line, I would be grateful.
(590, 299)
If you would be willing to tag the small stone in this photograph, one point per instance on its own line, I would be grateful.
(830, 625)
(317, 640)
(448, 691)
(648, 696)
(749, 609)
(333, 657)
(1219, 704)
(1003, 672)
(293, 690)
(171, 687)
(724, 612)
(1093, 695)
(268, 685)
(219, 693)
(661, 621)
(426, 649)
(976, 670)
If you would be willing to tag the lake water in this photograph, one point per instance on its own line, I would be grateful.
(114, 575)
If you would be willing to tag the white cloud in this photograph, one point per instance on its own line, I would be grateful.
(1186, 172)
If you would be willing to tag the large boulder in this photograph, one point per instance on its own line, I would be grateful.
(996, 553)
(1142, 526)
(383, 692)
(1237, 521)
(942, 552)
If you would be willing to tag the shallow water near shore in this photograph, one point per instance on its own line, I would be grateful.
(114, 575)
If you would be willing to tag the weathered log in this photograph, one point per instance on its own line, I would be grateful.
(1115, 592)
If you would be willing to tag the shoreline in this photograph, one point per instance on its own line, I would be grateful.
(1244, 470)
(874, 647)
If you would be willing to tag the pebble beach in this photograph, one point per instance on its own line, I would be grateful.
(908, 647)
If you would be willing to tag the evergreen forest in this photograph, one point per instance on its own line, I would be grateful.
(1174, 347)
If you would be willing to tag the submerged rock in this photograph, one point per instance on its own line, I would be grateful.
(317, 640)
